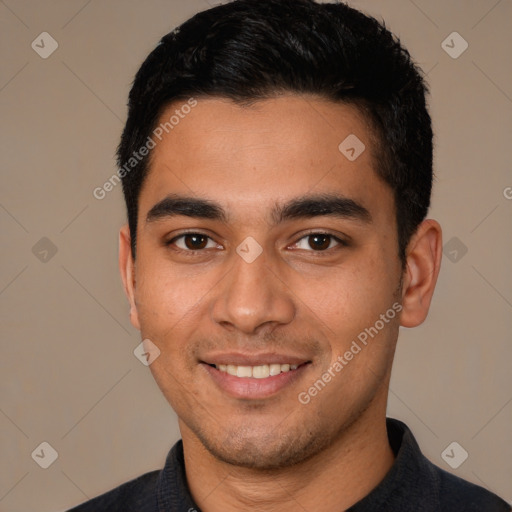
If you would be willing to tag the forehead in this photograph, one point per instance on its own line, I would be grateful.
(254, 156)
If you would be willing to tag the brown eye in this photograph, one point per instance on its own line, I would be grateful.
(319, 241)
(192, 242)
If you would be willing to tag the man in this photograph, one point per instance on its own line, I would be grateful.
(277, 171)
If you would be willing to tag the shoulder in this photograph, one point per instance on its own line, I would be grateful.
(416, 480)
(136, 495)
(458, 494)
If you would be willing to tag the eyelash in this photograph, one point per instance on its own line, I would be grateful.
(341, 243)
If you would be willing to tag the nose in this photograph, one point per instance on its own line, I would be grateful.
(252, 295)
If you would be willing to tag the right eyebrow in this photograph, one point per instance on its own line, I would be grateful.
(174, 205)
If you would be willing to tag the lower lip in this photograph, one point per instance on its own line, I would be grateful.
(251, 388)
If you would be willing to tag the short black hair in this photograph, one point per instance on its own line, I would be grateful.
(249, 50)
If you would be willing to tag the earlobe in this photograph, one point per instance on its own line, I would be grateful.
(127, 270)
(424, 254)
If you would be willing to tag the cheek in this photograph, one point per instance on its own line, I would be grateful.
(351, 305)
(362, 342)
(169, 305)
(166, 299)
(357, 294)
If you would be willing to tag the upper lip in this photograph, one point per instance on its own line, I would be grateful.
(239, 359)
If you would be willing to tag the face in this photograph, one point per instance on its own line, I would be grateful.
(264, 255)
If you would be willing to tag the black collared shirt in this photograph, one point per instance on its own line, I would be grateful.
(413, 484)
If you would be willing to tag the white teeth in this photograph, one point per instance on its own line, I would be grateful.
(261, 372)
(257, 372)
(275, 369)
(244, 371)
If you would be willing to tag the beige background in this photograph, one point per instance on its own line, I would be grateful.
(68, 374)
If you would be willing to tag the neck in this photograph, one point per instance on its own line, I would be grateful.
(334, 479)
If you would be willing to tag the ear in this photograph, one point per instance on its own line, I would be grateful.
(423, 262)
(127, 269)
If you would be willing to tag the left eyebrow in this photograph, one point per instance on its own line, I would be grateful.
(332, 205)
(310, 206)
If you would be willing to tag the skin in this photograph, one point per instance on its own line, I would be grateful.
(275, 453)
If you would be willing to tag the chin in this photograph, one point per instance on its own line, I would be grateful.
(265, 451)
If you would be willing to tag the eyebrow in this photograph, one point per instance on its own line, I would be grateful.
(310, 206)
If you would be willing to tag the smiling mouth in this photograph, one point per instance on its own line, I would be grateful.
(263, 371)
